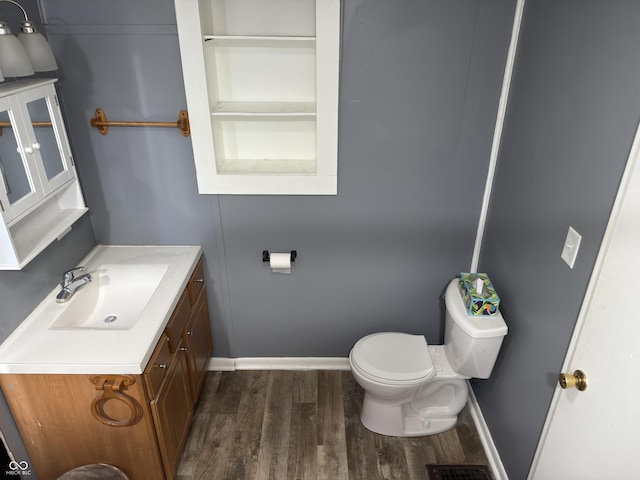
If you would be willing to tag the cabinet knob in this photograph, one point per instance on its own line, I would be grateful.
(184, 349)
(199, 280)
(28, 149)
(162, 365)
(36, 146)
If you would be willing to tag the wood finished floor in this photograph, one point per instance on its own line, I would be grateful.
(305, 425)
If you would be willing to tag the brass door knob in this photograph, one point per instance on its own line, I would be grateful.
(577, 380)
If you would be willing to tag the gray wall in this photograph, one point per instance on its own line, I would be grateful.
(573, 112)
(419, 91)
(22, 291)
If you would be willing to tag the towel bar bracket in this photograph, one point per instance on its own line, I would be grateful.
(102, 124)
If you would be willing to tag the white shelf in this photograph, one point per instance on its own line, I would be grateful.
(264, 109)
(33, 236)
(253, 39)
(269, 167)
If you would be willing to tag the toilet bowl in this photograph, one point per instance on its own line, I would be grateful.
(415, 389)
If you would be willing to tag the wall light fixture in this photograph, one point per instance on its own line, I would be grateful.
(28, 53)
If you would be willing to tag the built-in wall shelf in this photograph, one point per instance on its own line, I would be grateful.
(261, 81)
(264, 109)
(248, 39)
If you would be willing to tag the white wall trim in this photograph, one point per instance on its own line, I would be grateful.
(218, 364)
(497, 468)
(278, 363)
(497, 133)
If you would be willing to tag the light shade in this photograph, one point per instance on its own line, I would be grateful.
(39, 51)
(14, 60)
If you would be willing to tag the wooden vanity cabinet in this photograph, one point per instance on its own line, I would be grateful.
(137, 422)
(176, 371)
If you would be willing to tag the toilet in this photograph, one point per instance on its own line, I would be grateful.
(414, 389)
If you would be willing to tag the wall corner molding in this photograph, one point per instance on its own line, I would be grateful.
(497, 134)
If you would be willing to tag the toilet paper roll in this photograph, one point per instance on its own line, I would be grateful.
(280, 262)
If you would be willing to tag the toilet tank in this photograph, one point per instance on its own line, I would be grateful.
(471, 342)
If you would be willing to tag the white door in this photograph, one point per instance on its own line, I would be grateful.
(594, 434)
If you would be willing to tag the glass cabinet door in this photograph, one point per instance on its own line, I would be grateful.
(19, 187)
(49, 143)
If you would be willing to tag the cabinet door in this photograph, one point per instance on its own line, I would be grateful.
(198, 343)
(48, 141)
(20, 189)
(172, 409)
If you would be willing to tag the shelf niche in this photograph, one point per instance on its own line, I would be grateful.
(268, 70)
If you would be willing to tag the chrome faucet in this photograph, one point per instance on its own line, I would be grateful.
(70, 283)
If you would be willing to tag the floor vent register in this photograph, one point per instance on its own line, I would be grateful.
(458, 472)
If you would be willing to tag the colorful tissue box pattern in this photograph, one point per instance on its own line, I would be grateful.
(478, 294)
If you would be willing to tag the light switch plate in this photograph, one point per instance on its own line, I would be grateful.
(571, 247)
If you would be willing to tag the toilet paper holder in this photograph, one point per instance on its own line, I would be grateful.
(266, 256)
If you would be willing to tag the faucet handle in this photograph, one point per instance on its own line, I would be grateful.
(68, 275)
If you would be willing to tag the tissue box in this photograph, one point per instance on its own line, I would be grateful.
(478, 294)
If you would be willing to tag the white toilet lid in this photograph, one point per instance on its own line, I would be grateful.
(394, 356)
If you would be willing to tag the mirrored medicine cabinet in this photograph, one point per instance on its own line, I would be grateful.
(40, 197)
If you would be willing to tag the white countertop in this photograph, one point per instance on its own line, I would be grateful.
(35, 348)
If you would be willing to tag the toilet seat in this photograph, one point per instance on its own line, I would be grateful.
(393, 358)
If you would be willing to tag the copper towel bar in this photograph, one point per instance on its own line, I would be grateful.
(35, 124)
(102, 124)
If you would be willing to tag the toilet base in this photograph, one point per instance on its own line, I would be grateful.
(417, 418)
(416, 427)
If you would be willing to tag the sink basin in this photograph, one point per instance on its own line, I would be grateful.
(114, 299)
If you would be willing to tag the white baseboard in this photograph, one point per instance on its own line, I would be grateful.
(278, 363)
(218, 364)
(497, 468)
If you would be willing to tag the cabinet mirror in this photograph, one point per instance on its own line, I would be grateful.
(14, 168)
(46, 137)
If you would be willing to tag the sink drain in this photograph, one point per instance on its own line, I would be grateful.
(110, 318)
